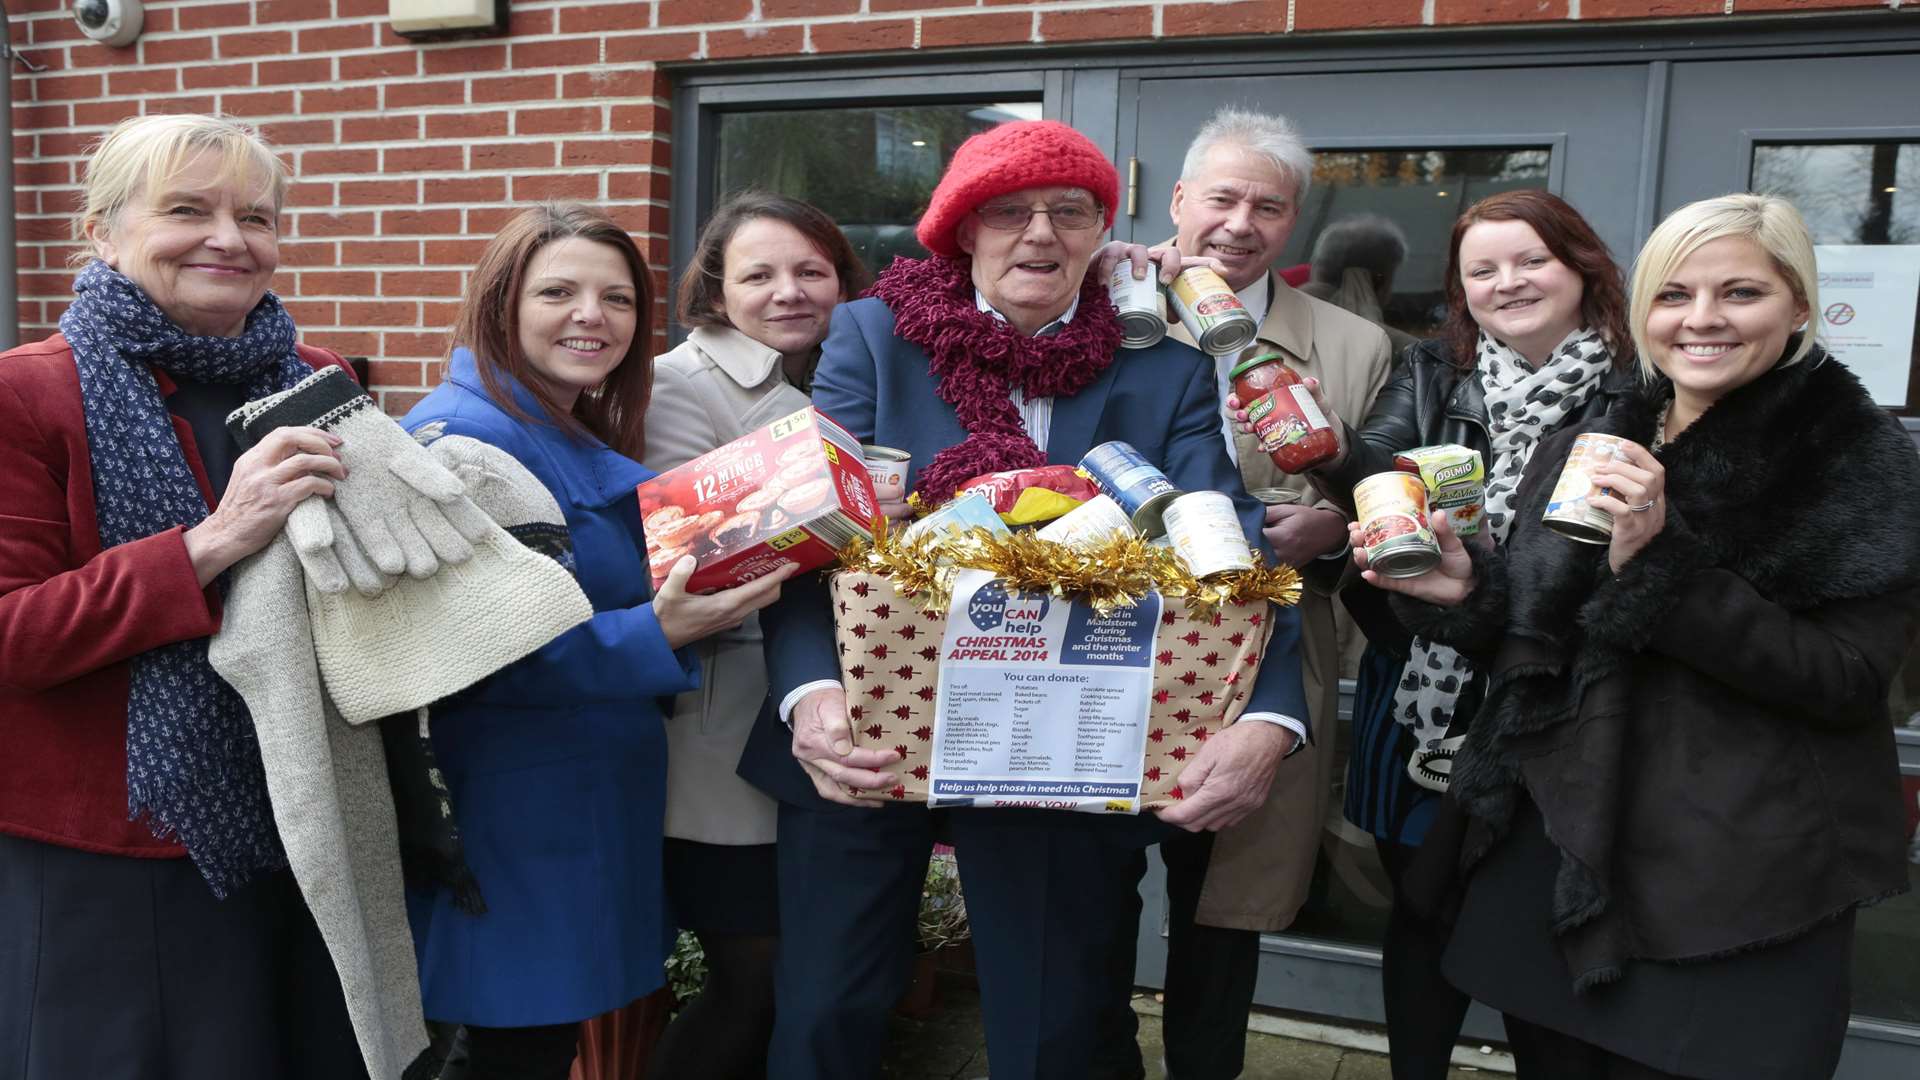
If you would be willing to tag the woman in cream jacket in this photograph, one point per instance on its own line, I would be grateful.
(765, 276)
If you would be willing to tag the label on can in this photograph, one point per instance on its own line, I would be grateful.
(1089, 523)
(1205, 532)
(1456, 479)
(1141, 489)
(1142, 309)
(1395, 533)
(1570, 509)
(1211, 312)
(888, 469)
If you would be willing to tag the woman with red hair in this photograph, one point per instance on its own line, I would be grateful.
(1535, 339)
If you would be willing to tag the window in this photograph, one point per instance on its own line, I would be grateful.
(1420, 192)
(871, 168)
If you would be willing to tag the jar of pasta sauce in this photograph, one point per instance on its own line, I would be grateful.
(1290, 426)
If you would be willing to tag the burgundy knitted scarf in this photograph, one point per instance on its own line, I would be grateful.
(977, 360)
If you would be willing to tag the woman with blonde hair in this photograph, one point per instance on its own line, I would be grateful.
(148, 926)
(1682, 782)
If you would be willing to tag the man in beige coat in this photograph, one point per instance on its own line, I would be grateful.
(1236, 203)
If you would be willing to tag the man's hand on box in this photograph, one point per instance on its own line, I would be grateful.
(685, 617)
(896, 509)
(823, 744)
(1230, 776)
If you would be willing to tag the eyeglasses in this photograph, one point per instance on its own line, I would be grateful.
(1013, 217)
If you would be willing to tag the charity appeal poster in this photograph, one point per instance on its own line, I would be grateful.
(1041, 702)
(1868, 295)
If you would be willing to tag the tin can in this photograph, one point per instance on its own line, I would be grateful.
(1206, 533)
(1456, 480)
(888, 468)
(1142, 490)
(1396, 536)
(1142, 307)
(1570, 510)
(1089, 523)
(1215, 317)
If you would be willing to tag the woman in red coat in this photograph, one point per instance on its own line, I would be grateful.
(148, 928)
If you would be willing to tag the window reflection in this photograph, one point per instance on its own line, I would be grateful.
(870, 168)
(1421, 191)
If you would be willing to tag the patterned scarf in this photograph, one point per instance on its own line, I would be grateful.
(977, 361)
(1524, 405)
(193, 768)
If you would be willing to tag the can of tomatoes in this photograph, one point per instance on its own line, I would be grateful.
(1141, 489)
(1206, 533)
(1211, 311)
(1285, 418)
(1570, 509)
(1142, 307)
(1395, 534)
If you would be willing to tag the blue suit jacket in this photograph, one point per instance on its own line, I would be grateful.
(1161, 399)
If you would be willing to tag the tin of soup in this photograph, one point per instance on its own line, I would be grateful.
(1211, 311)
(1206, 533)
(1456, 480)
(1089, 523)
(888, 468)
(1142, 307)
(1396, 536)
(1142, 490)
(1570, 509)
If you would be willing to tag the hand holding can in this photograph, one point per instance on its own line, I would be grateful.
(1632, 488)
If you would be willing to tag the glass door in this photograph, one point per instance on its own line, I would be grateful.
(1402, 151)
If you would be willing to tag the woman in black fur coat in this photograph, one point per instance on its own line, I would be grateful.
(1683, 781)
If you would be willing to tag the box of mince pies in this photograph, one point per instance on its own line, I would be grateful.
(795, 491)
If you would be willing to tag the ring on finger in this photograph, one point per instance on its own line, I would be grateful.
(1643, 507)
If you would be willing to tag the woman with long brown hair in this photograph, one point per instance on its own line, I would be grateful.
(557, 765)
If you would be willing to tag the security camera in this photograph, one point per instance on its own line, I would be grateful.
(110, 22)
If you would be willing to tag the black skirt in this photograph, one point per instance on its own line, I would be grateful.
(723, 888)
(130, 968)
(1775, 1013)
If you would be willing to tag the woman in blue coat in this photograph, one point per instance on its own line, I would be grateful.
(557, 765)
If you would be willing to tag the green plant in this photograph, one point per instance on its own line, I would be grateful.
(686, 968)
(943, 910)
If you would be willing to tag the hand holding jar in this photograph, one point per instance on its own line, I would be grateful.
(1285, 412)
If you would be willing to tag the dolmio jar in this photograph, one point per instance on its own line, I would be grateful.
(1289, 424)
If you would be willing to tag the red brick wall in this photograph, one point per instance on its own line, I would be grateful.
(410, 156)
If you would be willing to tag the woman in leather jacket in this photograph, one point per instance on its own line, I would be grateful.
(1536, 338)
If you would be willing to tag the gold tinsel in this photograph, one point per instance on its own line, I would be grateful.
(1111, 574)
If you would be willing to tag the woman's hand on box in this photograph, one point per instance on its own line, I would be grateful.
(685, 617)
(823, 744)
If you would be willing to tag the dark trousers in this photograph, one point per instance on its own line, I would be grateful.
(1211, 973)
(1047, 895)
(1423, 1010)
(131, 969)
(1545, 1054)
(521, 1053)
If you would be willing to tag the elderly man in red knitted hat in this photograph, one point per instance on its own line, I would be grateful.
(995, 353)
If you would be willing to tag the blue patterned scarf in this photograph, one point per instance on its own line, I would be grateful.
(193, 766)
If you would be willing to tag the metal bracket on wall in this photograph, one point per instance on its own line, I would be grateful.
(1133, 183)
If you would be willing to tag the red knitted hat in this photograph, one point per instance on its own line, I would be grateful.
(1014, 156)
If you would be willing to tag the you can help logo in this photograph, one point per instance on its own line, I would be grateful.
(993, 607)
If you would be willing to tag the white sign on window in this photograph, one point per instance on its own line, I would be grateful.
(1868, 295)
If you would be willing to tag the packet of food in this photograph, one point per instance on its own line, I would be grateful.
(1031, 496)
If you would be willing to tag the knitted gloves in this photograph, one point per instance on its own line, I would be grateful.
(423, 640)
(402, 509)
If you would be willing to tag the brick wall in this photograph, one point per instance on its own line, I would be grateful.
(409, 156)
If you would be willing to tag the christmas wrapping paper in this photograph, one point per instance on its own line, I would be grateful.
(890, 664)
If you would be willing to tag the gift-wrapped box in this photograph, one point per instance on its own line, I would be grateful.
(890, 664)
